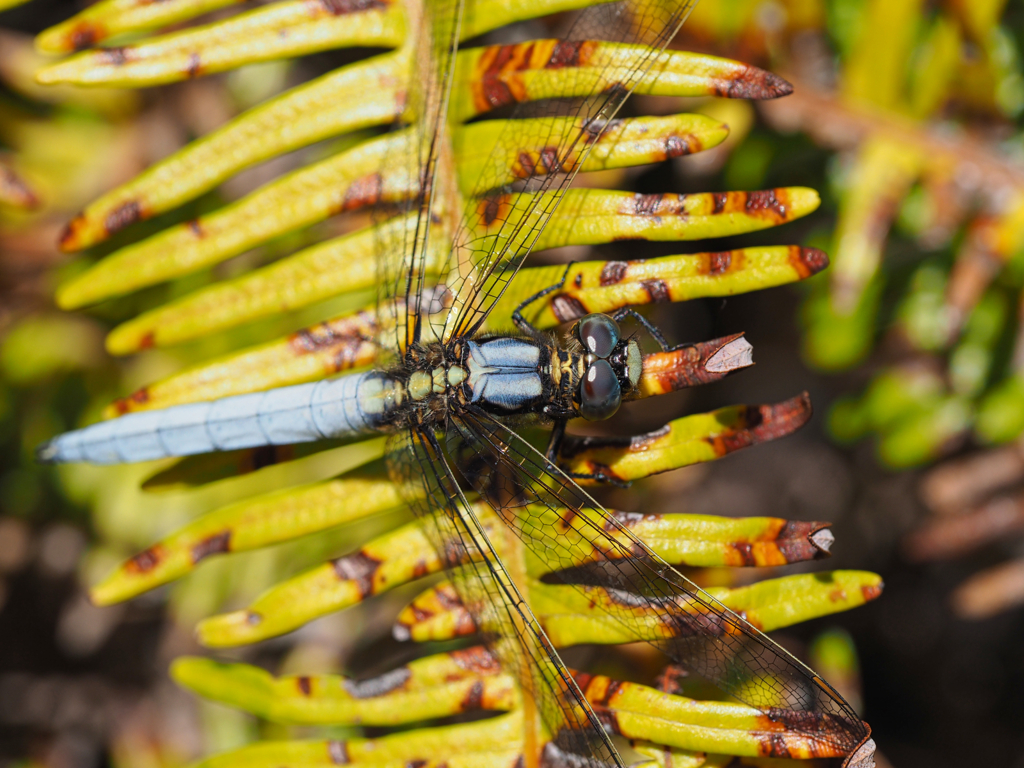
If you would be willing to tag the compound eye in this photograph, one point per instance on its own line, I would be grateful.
(600, 394)
(599, 334)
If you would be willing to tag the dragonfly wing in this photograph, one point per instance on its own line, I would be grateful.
(420, 156)
(501, 221)
(418, 464)
(564, 527)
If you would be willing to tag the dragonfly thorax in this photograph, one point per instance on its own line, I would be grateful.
(512, 376)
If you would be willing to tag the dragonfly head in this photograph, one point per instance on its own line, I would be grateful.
(613, 366)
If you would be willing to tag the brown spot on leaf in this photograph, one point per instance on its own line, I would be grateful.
(871, 591)
(550, 161)
(837, 595)
(211, 545)
(671, 679)
(474, 698)
(578, 280)
(344, 7)
(196, 227)
(595, 129)
(773, 745)
(493, 91)
(601, 691)
(766, 201)
(338, 750)
(676, 147)
(125, 404)
(490, 208)
(476, 659)
(360, 568)
(719, 263)
(718, 201)
(527, 165)
(657, 290)
(120, 217)
(569, 53)
(745, 550)
(566, 517)
(647, 205)
(305, 685)
(566, 308)
(146, 560)
(624, 520)
(613, 272)
(194, 67)
(377, 686)
(116, 56)
(363, 192)
(148, 340)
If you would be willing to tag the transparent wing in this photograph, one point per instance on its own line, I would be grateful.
(606, 52)
(476, 238)
(564, 527)
(420, 158)
(418, 465)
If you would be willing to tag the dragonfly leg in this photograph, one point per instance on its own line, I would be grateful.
(555, 447)
(597, 477)
(619, 314)
(521, 322)
(555, 443)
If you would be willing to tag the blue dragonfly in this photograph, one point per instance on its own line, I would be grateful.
(451, 399)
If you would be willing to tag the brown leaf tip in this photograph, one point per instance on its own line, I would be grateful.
(69, 237)
(812, 261)
(756, 83)
(863, 756)
(16, 188)
(823, 539)
(871, 591)
(85, 35)
(736, 354)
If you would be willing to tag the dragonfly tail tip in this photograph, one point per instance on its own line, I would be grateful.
(47, 453)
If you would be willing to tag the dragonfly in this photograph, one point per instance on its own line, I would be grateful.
(453, 400)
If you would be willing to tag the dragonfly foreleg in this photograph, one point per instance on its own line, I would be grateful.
(596, 477)
(521, 322)
(648, 326)
(554, 450)
(555, 443)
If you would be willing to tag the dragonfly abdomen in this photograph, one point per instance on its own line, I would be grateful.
(350, 405)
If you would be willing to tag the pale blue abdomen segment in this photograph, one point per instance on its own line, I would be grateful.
(504, 373)
(347, 406)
